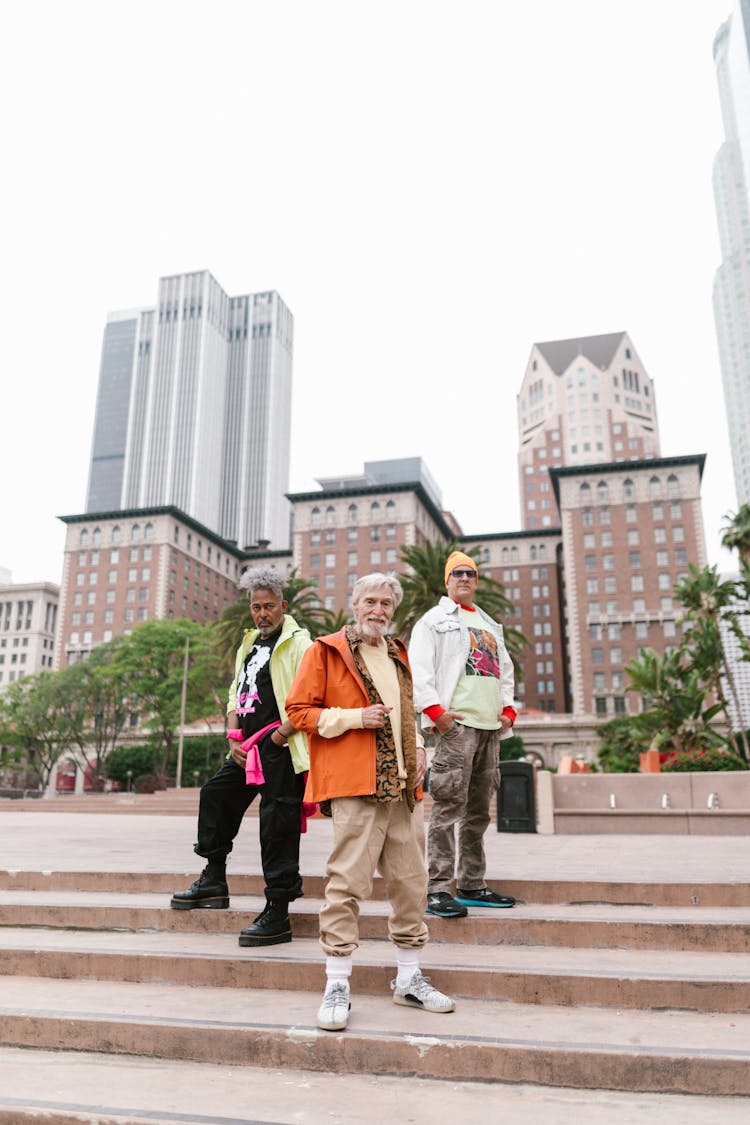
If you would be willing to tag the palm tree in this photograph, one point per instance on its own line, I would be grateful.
(709, 601)
(424, 584)
(736, 534)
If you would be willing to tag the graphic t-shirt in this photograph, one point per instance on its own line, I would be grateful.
(256, 703)
(477, 694)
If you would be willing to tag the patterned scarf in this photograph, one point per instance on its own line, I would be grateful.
(387, 784)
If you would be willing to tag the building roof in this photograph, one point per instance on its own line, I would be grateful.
(159, 510)
(373, 489)
(599, 350)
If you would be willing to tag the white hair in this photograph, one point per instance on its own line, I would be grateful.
(377, 581)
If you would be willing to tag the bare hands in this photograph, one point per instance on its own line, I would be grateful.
(445, 721)
(239, 756)
(505, 721)
(375, 716)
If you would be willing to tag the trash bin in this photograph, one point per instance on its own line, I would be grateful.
(516, 804)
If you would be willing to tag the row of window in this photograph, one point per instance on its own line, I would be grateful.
(352, 558)
(655, 487)
(352, 535)
(377, 511)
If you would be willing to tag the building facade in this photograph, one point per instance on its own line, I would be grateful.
(193, 410)
(731, 180)
(628, 533)
(582, 401)
(28, 620)
(123, 568)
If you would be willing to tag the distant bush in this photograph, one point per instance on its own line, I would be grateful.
(511, 748)
(697, 760)
(621, 746)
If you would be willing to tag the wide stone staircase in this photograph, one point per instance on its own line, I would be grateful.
(641, 986)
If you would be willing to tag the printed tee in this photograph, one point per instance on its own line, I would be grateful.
(256, 703)
(477, 694)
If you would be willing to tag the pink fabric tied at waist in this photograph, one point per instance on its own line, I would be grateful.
(253, 766)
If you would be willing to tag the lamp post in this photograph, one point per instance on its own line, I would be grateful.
(178, 781)
(129, 776)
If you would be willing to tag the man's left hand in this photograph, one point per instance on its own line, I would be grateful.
(505, 722)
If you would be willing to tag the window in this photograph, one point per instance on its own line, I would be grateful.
(600, 705)
(589, 539)
(675, 511)
(634, 558)
(600, 681)
(351, 513)
(597, 656)
(116, 537)
(330, 558)
(592, 586)
(330, 536)
(665, 581)
(662, 558)
(375, 510)
(615, 655)
(630, 514)
(351, 558)
(619, 705)
(587, 517)
(610, 585)
(657, 511)
(604, 516)
(330, 581)
(148, 533)
(627, 489)
(669, 629)
(641, 630)
(590, 562)
(665, 605)
(132, 574)
(608, 562)
(375, 557)
(660, 535)
(330, 515)
(639, 605)
(678, 534)
(135, 533)
(606, 539)
(636, 583)
(315, 517)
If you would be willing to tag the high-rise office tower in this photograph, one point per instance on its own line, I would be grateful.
(194, 408)
(731, 178)
(582, 402)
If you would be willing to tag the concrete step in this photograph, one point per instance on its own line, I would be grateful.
(84, 1088)
(538, 890)
(574, 926)
(482, 1040)
(641, 979)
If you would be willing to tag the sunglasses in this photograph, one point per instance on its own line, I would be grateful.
(463, 574)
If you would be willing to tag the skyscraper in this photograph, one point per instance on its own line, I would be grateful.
(731, 178)
(582, 401)
(194, 407)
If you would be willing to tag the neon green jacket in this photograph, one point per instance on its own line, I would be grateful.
(285, 660)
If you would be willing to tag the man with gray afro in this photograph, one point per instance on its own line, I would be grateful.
(265, 667)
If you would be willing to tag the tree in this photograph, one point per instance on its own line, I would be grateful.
(736, 532)
(424, 584)
(680, 714)
(708, 601)
(150, 664)
(30, 723)
(94, 704)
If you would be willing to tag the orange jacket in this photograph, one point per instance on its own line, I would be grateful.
(328, 677)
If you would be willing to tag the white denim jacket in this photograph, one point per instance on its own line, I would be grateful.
(438, 651)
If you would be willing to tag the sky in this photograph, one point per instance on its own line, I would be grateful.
(431, 187)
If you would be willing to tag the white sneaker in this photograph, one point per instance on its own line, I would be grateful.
(333, 1013)
(419, 993)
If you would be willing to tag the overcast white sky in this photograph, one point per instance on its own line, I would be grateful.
(430, 186)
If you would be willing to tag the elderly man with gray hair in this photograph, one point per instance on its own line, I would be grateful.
(353, 698)
(266, 663)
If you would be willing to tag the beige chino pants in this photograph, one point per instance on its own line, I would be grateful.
(370, 837)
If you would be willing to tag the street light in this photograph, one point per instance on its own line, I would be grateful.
(129, 776)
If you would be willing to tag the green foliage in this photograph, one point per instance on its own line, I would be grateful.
(736, 532)
(622, 741)
(511, 749)
(151, 666)
(201, 753)
(709, 759)
(31, 725)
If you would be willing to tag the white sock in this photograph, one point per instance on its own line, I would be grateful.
(407, 963)
(338, 969)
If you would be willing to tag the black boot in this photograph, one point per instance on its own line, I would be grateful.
(271, 927)
(208, 892)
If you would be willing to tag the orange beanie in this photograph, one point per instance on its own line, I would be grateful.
(458, 558)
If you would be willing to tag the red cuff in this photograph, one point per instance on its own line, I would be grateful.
(511, 713)
(434, 712)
